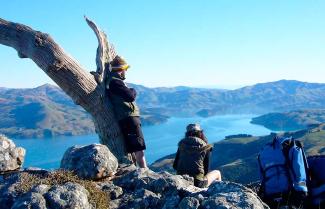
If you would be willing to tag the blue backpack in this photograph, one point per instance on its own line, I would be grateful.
(317, 183)
(283, 167)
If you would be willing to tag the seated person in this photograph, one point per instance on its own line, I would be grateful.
(192, 157)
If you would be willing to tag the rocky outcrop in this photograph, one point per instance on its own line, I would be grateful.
(25, 189)
(134, 188)
(94, 161)
(131, 188)
(11, 157)
(231, 195)
(147, 189)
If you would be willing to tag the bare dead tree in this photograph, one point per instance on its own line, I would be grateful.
(86, 89)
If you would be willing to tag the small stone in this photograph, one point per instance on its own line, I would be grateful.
(189, 203)
(171, 202)
(113, 191)
(143, 199)
(42, 189)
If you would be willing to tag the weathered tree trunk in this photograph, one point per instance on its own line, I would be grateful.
(86, 89)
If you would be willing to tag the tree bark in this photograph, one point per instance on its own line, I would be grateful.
(85, 89)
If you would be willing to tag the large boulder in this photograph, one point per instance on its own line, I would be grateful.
(93, 161)
(11, 157)
(231, 195)
(69, 195)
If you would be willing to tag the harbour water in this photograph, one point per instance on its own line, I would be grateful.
(161, 140)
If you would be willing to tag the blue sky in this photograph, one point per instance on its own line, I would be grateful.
(208, 43)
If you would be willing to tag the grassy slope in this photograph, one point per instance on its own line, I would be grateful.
(236, 158)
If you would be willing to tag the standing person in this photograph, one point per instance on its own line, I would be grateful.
(192, 157)
(126, 110)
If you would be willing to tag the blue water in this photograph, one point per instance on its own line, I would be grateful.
(161, 140)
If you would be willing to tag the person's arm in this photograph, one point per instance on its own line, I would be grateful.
(176, 160)
(119, 88)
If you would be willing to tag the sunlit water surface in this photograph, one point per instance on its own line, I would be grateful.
(161, 140)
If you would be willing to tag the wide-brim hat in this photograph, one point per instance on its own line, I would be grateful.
(119, 64)
(193, 127)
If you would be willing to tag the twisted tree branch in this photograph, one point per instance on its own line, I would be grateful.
(75, 81)
(105, 53)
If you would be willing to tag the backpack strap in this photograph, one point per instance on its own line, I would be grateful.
(308, 174)
(285, 150)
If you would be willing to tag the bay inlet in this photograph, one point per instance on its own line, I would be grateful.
(161, 140)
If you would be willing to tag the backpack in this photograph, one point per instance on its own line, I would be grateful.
(317, 183)
(283, 167)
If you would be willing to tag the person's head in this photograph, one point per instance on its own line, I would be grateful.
(120, 66)
(194, 130)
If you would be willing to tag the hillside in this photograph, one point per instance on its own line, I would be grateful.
(236, 158)
(292, 120)
(46, 111)
(278, 96)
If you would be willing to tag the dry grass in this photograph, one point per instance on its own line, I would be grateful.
(97, 197)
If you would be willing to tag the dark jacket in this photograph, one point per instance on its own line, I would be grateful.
(192, 157)
(122, 98)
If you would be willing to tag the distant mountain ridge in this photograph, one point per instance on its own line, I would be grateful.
(47, 111)
(283, 95)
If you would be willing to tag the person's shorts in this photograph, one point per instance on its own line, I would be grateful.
(132, 132)
(201, 183)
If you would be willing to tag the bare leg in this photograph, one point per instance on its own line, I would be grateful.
(212, 176)
(134, 159)
(141, 160)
